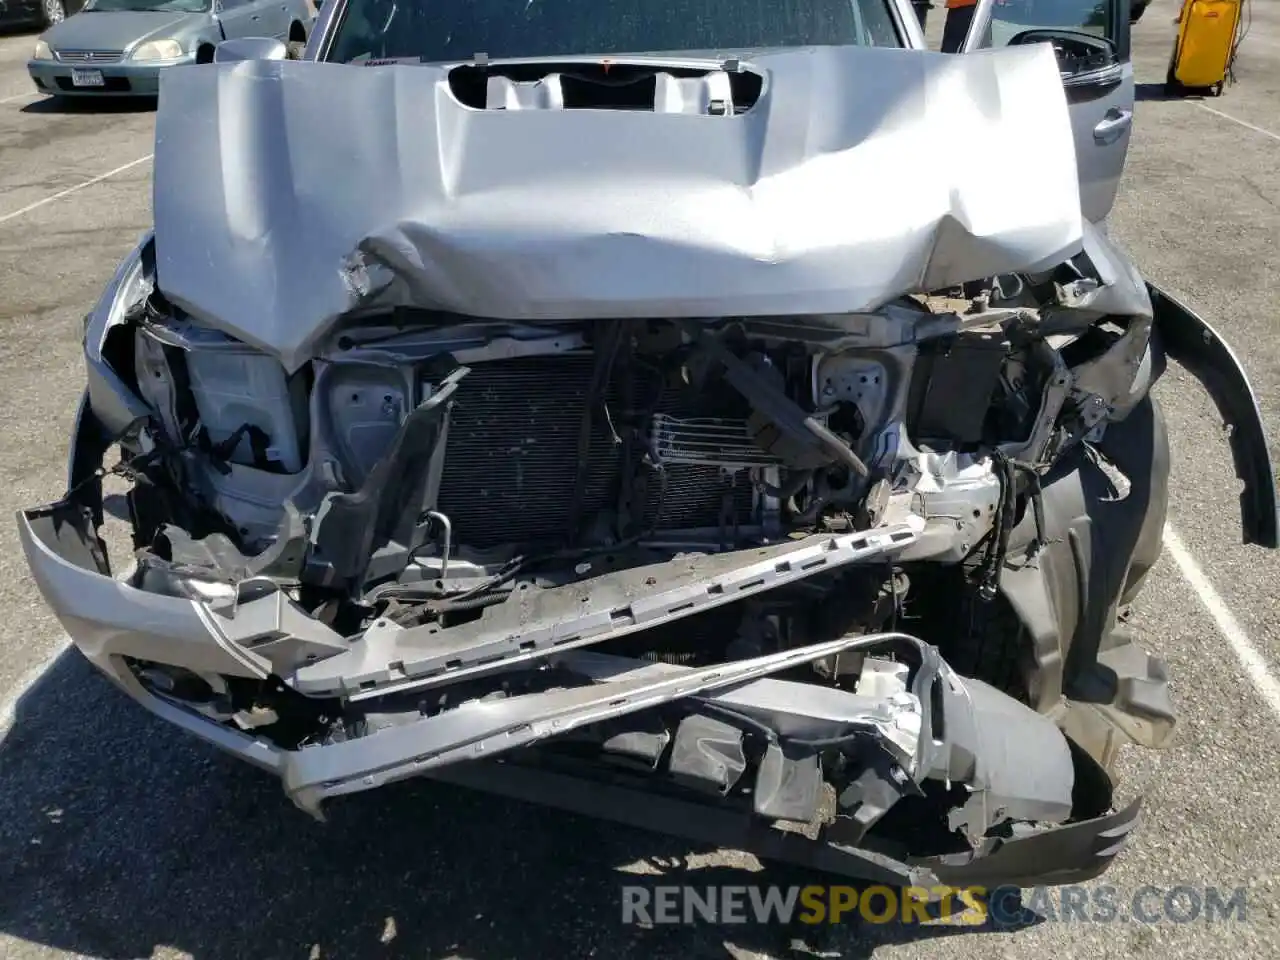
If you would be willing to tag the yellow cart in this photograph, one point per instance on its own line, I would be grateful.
(1209, 33)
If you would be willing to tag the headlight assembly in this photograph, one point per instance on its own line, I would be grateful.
(42, 51)
(157, 50)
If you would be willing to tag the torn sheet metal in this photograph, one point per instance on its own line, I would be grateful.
(322, 188)
(483, 729)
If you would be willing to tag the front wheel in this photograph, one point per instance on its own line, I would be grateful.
(53, 11)
(1172, 88)
(296, 48)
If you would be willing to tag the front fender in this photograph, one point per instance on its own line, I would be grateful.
(1195, 345)
(89, 443)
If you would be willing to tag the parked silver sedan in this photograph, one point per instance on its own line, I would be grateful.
(122, 46)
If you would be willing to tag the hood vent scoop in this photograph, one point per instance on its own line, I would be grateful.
(728, 90)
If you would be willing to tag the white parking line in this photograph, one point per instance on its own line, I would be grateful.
(19, 96)
(1255, 665)
(70, 190)
(1243, 123)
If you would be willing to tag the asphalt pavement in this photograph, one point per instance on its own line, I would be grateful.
(119, 838)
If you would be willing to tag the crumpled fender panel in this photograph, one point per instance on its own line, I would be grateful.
(323, 187)
(1207, 356)
(1104, 511)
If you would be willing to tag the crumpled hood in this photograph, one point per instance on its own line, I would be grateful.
(287, 193)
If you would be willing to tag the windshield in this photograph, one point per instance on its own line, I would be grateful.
(162, 6)
(449, 30)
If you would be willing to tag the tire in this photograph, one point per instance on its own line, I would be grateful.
(296, 48)
(52, 12)
(991, 644)
(1172, 87)
(1137, 10)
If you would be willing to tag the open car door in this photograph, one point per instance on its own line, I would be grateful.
(1091, 39)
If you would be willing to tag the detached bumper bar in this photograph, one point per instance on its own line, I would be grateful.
(482, 729)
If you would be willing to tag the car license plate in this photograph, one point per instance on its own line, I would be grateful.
(86, 78)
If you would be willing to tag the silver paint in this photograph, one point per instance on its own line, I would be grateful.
(323, 188)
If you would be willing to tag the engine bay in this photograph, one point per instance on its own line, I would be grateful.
(430, 472)
(548, 438)
(765, 561)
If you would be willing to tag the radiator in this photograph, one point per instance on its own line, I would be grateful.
(512, 456)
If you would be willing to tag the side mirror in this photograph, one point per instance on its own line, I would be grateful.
(250, 48)
(1080, 55)
(1074, 44)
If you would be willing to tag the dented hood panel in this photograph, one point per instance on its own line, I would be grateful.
(288, 193)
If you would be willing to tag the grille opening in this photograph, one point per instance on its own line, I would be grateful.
(90, 56)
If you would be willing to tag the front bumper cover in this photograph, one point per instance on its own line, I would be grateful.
(1014, 759)
(122, 79)
(1019, 758)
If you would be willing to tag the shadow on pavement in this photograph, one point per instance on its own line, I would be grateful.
(1156, 91)
(1150, 91)
(122, 835)
(93, 104)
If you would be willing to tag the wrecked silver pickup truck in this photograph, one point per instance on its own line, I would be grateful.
(670, 440)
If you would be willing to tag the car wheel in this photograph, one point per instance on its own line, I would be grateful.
(1172, 88)
(53, 11)
(296, 47)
